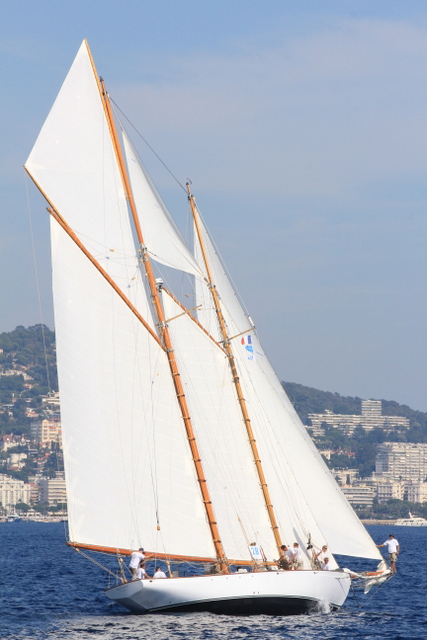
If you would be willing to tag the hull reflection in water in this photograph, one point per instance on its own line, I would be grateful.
(269, 593)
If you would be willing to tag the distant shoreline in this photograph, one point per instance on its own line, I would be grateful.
(375, 521)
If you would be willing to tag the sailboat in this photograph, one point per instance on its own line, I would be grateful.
(178, 436)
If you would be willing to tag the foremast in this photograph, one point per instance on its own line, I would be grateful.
(164, 333)
(235, 376)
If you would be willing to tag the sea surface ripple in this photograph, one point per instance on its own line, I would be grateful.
(47, 590)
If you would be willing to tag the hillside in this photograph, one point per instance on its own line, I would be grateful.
(27, 372)
(308, 400)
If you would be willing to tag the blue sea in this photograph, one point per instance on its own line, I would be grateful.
(49, 591)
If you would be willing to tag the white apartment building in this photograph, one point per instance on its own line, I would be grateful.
(402, 461)
(371, 418)
(13, 491)
(389, 490)
(361, 496)
(52, 490)
(416, 491)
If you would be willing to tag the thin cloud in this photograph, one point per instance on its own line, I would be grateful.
(321, 116)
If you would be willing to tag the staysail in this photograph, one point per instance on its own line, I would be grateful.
(163, 239)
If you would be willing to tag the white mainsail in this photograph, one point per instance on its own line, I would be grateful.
(299, 482)
(127, 461)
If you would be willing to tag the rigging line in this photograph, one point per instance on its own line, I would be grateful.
(153, 459)
(379, 587)
(36, 274)
(148, 145)
(226, 272)
(98, 564)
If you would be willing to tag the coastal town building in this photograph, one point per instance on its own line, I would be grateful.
(360, 495)
(9, 441)
(370, 418)
(52, 490)
(13, 492)
(345, 476)
(15, 461)
(401, 474)
(47, 429)
(402, 461)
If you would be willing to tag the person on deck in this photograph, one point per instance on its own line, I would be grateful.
(135, 560)
(285, 560)
(141, 573)
(319, 558)
(297, 561)
(325, 566)
(159, 573)
(393, 548)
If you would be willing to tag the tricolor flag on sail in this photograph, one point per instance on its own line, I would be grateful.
(247, 343)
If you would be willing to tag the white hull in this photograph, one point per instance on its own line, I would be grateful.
(274, 593)
(414, 522)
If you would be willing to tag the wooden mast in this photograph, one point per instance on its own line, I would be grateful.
(236, 380)
(165, 336)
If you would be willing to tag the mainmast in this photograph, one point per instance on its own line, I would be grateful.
(235, 375)
(164, 333)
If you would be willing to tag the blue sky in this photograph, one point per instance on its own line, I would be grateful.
(303, 128)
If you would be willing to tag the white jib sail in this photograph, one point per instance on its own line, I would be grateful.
(127, 460)
(304, 494)
(217, 421)
(162, 238)
(74, 163)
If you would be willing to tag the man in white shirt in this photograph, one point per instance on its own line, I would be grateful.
(325, 565)
(286, 556)
(298, 562)
(319, 558)
(141, 573)
(393, 548)
(135, 560)
(159, 573)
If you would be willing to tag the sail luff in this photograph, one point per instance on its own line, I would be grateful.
(165, 336)
(236, 380)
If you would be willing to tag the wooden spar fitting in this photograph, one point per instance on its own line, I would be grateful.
(235, 375)
(164, 333)
(187, 312)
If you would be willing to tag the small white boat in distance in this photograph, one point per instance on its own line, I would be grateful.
(411, 521)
